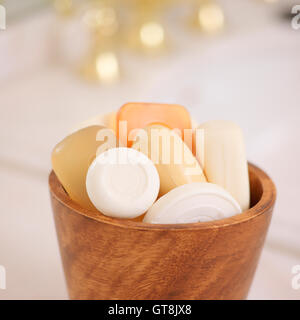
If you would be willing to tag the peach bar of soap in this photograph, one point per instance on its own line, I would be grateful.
(140, 115)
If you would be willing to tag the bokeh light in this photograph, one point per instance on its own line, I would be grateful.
(107, 67)
(152, 34)
(210, 17)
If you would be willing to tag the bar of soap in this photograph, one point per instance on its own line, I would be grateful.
(174, 161)
(72, 157)
(108, 120)
(193, 202)
(140, 115)
(224, 159)
(122, 183)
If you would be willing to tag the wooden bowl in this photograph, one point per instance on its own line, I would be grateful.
(108, 258)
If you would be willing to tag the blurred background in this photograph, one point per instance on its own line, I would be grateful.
(64, 61)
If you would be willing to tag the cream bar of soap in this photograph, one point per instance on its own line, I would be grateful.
(108, 120)
(174, 161)
(122, 183)
(223, 158)
(193, 202)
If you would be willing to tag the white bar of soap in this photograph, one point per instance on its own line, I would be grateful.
(193, 202)
(223, 158)
(122, 183)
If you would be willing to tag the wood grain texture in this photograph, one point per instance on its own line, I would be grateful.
(107, 258)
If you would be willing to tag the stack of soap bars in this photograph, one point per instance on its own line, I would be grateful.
(153, 163)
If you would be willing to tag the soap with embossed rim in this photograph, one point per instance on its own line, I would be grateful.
(122, 183)
(191, 203)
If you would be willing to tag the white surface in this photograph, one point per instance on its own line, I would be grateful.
(122, 183)
(249, 75)
(193, 202)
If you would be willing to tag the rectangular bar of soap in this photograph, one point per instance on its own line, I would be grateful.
(160, 144)
(140, 115)
(223, 158)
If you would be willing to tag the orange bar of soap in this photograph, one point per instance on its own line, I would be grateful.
(141, 115)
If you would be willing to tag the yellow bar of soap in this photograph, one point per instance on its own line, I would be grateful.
(174, 161)
(72, 157)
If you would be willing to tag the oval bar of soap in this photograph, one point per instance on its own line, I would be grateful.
(174, 161)
(193, 202)
(224, 159)
(108, 120)
(140, 115)
(72, 157)
(122, 183)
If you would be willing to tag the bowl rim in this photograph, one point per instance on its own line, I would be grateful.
(265, 203)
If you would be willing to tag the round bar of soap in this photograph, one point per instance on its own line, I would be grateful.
(193, 202)
(122, 183)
